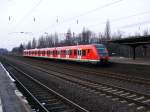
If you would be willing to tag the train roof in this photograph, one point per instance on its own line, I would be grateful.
(63, 47)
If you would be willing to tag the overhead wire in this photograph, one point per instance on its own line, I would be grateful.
(83, 14)
(93, 10)
(28, 13)
(121, 18)
(135, 24)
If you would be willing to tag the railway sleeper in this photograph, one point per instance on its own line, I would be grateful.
(124, 94)
(146, 101)
(58, 108)
(139, 98)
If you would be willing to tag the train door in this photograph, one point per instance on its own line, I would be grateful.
(79, 54)
(67, 53)
(59, 53)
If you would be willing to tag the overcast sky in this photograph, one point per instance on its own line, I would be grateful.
(128, 16)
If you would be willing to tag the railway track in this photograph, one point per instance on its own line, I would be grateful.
(106, 74)
(43, 98)
(111, 75)
(131, 98)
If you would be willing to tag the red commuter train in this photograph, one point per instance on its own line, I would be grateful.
(93, 53)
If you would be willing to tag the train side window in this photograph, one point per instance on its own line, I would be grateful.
(75, 52)
(70, 52)
(83, 52)
(59, 52)
(56, 52)
(48, 52)
(51, 52)
(62, 52)
(79, 52)
(88, 50)
(66, 52)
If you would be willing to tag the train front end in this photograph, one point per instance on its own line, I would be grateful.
(102, 53)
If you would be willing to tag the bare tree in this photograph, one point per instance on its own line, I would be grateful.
(34, 43)
(55, 39)
(41, 42)
(29, 45)
(145, 32)
(86, 34)
(68, 40)
(107, 33)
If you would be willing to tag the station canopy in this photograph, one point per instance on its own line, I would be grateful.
(133, 42)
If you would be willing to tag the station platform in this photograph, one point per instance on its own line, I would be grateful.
(11, 100)
(137, 61)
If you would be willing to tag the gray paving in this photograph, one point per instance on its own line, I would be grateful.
(140, 61)
(11, 98)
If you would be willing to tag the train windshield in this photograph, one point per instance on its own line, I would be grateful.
(101, 49)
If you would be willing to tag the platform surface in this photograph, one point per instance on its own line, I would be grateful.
(10, 98)
(138, 61)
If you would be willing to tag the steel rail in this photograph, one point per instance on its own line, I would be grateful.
(97, 86)
(113, 75)
(76, 106)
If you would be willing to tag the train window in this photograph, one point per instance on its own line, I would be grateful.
(88, 51)
(48, 52)
(79, 52)
(59, 52)
(70, 52)
(62, 52)
(66, 52)
(83, 52)
(54, 52)
(51, 52)
(75, 52)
